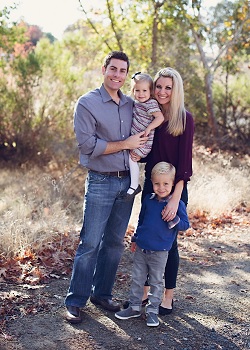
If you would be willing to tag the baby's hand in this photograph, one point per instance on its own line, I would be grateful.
(133, 247)
(134, 156)
(147, 131)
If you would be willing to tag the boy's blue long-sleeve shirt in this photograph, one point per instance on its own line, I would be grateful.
(152, 232)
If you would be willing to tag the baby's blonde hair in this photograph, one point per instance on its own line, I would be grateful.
(164, 168)
(138, 77)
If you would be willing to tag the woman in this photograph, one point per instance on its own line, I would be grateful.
(173, 144)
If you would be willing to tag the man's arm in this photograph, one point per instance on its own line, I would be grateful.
(132, 142)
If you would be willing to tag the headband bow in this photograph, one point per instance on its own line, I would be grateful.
(134, 75)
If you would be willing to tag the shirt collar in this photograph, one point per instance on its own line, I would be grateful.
(106, 96)
(165, 200)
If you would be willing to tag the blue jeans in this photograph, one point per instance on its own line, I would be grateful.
(106, 215)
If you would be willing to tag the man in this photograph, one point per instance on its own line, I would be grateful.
(102, 122)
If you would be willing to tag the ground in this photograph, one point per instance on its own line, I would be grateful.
(211, 306)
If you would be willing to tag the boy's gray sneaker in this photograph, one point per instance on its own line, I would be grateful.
(152, 320)
(127, 313)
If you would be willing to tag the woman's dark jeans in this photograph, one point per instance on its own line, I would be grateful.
(171, 269)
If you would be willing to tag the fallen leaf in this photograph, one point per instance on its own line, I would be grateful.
(190, 297)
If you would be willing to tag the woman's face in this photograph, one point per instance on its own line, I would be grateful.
(163, 90)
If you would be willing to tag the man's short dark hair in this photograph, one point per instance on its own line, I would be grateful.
(119, 55)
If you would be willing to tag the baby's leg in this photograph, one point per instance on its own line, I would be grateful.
(134, 176)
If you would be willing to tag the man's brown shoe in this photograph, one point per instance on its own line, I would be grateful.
(73, 314)
(106, 304)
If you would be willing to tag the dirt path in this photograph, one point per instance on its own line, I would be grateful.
(211, 310)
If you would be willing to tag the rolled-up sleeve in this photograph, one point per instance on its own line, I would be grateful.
(97, 121)
(85, 130)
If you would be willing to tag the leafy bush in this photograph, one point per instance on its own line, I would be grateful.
(233, 107)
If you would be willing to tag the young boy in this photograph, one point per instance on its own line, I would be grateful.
(151, 243)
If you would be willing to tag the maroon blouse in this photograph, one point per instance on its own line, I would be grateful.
(176, 150)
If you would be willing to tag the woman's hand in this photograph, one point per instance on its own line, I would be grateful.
(169, 211)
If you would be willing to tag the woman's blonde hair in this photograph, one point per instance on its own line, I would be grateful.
(138, 77)
(164, 168)
(177, 112)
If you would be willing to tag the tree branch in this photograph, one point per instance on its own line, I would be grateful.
(117, 36)
(237, 33)
(92, 24)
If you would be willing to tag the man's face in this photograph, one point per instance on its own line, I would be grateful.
(115, 74)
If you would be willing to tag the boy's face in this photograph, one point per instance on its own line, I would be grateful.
(141, 91)
(162, 185)
(115, 74)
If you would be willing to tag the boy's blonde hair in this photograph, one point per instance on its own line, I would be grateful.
(138, 77)
(164, 168)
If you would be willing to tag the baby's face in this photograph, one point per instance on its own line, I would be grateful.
(162, 185)
(142, 91)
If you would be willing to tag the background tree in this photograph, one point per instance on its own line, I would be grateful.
(41, 78)
(38, 82)
(220, 31)
(9, 35)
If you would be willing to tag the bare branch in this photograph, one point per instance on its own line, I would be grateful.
(158, 4)
(92, 24)
(111, 17)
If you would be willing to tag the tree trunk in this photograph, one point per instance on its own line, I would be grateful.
(208, 84)
(210, 103)
(156, 5)
(154, 39)
(226, 99)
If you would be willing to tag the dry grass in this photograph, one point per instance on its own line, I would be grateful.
(35, 206)
(219, 184)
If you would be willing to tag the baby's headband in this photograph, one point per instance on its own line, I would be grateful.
(134, 75)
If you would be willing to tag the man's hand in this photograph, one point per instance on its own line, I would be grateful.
(132, 142)
(135, 141)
